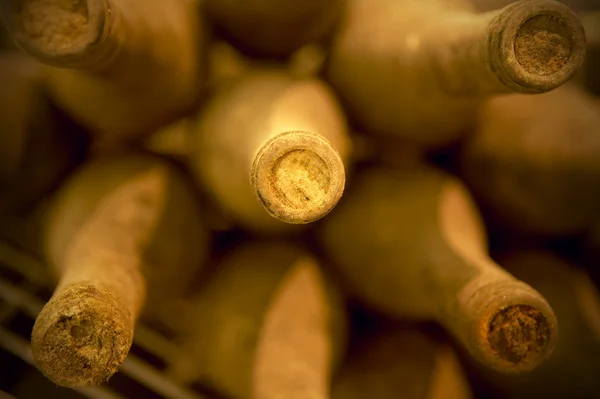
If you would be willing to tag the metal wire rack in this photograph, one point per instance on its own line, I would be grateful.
(24, 289)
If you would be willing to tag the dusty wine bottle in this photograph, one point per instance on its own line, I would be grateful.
(417, 69)
(39, 146)
(411, 243)
(586, 9)
(274, 28)
(123, 226)
(534, 161)
(271, 149)
(268, 324)
(572, 372)
(401, 363)
(123, 67)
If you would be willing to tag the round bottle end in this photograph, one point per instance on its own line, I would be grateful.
(298, 177)
(519, 334)
(60, 33)
(517, 330)
(81, 337)
(537, 45)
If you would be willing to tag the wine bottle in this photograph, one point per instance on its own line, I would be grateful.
(274, 28)
(123, 226)
(39, 146)
(572, 372)
(122, 68)
(590, 17)
(411, 243)
(402, 363)
(417, 69)
(270, 149)
(267, 324)
(534, 161)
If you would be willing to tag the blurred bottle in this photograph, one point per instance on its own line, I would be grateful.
(411, 243)
(274, 28)
(268, 324)
(122, 67)
(534, 161)
(403, 364)
(124, 231)
(417, 69)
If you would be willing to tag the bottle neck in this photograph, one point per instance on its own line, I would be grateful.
(462, 59)
(120, 275)
(527, 47)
